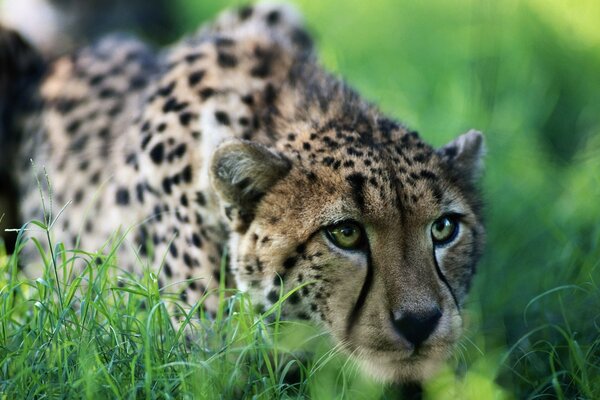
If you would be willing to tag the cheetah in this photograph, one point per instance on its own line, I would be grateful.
(236, 140)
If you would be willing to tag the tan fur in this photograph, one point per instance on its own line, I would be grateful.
(304, 152)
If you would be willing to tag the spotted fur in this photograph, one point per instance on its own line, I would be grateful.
(236, 137)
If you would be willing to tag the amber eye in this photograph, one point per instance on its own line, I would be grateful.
(444, 230)
(346, 235)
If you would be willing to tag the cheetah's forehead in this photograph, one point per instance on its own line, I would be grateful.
(383, 167)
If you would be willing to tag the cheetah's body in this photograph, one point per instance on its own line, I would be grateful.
(129, 138)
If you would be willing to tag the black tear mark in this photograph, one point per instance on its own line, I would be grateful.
(442, 277)
(362, 297)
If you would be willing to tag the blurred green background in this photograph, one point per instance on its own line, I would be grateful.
(527, 74)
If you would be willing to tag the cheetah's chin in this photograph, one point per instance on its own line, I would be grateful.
(402, 367)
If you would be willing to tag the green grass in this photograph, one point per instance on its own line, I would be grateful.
(523, 72)
(96, 331)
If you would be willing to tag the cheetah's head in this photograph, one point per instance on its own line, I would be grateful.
(384, 234)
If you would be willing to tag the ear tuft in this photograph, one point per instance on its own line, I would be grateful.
(242, 171)
(465, 154)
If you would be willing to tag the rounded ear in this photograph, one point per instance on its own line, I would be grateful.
(241, 172)
(465, 155)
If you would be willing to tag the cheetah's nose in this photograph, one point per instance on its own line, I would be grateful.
(416, 327)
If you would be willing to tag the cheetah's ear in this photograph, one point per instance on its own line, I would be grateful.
(242, 171)
(465, 154)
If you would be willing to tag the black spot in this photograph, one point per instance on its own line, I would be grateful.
(166, 184)
(122, 196)
(302, 315)
(262, 69)
(169, 105)
(115, 110)
(294, 298)
(79, 143)
(190, 58)
(301, 248)
(65, 106)
(137, 82)
(139, 190)
(348, 164)
(185, 118)
(200, 199)
(78, 197)
(357, 182)
(289, 262)
(352, 151)
(95, 178)
(186, 174)
(224, 42)
(96, 79)
(157, 154)
(428, 175)
(273, 296)
(183, 296)
(222, 118)
(179, 150)
(131, 159)
(161, 127)
(243, 121)
(187, 260)
(172, 105)
(226, 60)
(196, 240)
(173, 250)
(145, 141)
(195, 77)
(166, 91)
(386, 126)
(248, 99)
(206, 93)
(270, 94)
(273, 17)
(168, 271)
(245, 12)
(184, 200)
(301, 38)
(306, 146)
(107, 93)
(73, 126)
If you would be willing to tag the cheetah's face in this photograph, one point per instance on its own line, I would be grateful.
(385, 249)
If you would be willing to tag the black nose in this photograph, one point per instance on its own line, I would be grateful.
(416, 327)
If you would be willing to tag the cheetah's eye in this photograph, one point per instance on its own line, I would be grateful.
(346, 235)
(444, 230)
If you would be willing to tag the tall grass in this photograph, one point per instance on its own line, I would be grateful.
(99, 332)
